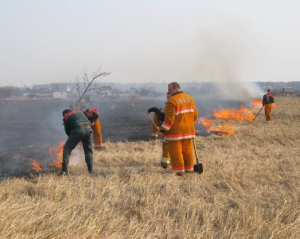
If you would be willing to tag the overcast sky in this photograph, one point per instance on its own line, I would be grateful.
(48, 41)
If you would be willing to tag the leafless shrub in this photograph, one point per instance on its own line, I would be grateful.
(84, 85)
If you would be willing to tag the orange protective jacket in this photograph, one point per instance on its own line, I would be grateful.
(180, 116)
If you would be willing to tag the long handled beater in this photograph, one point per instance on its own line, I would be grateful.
(258, 112)
(199, 167)
(162, 140)
(152, 120)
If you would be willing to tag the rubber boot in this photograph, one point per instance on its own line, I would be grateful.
(189, 172)
(64, 170)
(164, 165)
(100, 148)
(90, 168)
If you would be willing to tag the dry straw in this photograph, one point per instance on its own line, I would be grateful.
(249, 189)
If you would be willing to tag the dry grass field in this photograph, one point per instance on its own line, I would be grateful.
(249, 189)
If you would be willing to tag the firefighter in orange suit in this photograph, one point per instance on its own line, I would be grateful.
(267, 101)
(93, 116)
(178, 128)
(158, 119)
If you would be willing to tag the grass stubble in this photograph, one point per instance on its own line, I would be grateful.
(249, 189)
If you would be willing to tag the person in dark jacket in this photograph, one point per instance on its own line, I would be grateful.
(78, 128)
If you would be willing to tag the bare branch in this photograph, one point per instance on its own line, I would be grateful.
(88, 85)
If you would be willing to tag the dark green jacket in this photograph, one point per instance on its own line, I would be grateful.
(73, 120)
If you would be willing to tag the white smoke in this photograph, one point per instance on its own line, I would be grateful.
(224, 56)
(77, 156)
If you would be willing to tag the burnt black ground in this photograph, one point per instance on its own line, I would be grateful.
(30, 127)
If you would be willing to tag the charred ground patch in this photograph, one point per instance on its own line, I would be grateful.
(30, 127)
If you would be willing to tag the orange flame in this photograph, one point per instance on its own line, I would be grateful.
(242, 113)
(223, 130)
(36, 166)
(206, 123)
(256, 103)
(58, 153)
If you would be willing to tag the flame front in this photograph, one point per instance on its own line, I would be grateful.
(222, 130)
(206, 123)
(58, 153)
(36, 166)
(242, 113)
(256, 103)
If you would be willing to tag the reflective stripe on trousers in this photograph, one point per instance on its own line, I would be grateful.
(181, 152)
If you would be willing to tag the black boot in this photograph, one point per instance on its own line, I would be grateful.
(90, 168)
(64, 170)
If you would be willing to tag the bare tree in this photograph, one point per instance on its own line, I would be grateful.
(83, 86)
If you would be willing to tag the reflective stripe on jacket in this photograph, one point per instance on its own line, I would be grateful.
(180, 116)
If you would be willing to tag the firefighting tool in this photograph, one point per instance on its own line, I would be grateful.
(160, 113)
(152, 120)
(258, 112)
(198, 167)
(162, 140)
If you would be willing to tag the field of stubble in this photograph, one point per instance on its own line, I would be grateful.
(249, 189)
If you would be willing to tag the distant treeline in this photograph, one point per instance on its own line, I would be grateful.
(158, 88)
(280, 85)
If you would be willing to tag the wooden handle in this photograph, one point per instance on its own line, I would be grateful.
(152, 120)
(195, 148)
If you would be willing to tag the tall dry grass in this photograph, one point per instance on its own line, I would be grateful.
(249, 189)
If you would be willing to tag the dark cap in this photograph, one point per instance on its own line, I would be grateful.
(66, 111)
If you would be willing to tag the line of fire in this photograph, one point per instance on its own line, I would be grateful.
(210, 124)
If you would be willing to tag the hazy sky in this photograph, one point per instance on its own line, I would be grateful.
(48, 41)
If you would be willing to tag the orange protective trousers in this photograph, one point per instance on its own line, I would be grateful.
(97, 134)
(181, 152)
(154, 127)
(268, 109)
(165, 158)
